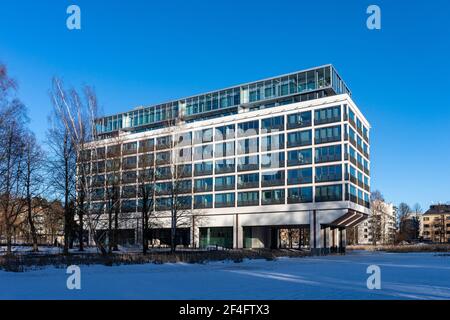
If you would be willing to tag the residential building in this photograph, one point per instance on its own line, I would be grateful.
(435, 224)
(284, 155)
(381, 224)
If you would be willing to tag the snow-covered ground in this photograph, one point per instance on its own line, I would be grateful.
(403, 276)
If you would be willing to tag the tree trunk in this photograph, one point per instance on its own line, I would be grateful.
(173, 244)
(116, 231)
(144, 233)
(32, 229)
(8, 239)
(80, 231)
(110, 235)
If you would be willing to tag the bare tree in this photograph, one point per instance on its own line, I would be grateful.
(77, 118)
(376, 218)
(146, 194)
(62, 170)
(113, 199)
(12, 155)
(34, 182)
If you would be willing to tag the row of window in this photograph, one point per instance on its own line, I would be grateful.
(297, 120)
(247, 198)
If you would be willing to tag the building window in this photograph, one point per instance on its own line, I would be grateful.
(272, 124)
(328, 154)
(203, 152)
(225, 166)
(272, 160)
(300, 176)
(248, 146)
(163, 142)
(299, 120)
(203, 201)
(248, 199)
(270, 143)
(225, 132)
(273, 197)
(329, 173)
(327, 115)
(203, 185)
(329, 193)
(203, 136)
(300, 195)
(224, 149)
(328, 134)
(129, 148)
(203, 169)
(246, 181)
(299, 138)
(146, 145)
(248, 163)
(224, 183)
(163, 157)
(299, 157)
(272, 178)
(224, 200)
(247, 129)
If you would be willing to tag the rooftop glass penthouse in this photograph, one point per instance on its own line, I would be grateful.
(294, 87)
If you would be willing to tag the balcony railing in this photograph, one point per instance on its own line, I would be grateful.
(271, 183)
(206, 188)
(246, 203)
(222, 187)
(248, 167)
(328, 198)
(327, 120)
(225, 169)
(203, 205)
(302, 143)
(248, 185)
(272, 201)
(328, 177)
(300, 199)
(302, 124)
(299, 180)
(224, 204)
(327, 139)
(328, 158)
(129, 151)
(352, 122)
(204, 172)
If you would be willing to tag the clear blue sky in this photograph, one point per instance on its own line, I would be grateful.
(140, 52)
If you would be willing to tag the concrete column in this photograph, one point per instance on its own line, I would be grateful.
(336, 238)
(343, 235)
(326, 239)
(315, 232)
(238, 233)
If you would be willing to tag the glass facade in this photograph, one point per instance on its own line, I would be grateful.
(224, 102)
(280, 156)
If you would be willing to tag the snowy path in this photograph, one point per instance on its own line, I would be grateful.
(403, 276)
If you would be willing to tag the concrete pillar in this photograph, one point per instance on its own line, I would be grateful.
(326, 239)
(315, 232)
(336, 239)
(238, 233)
(342, 239)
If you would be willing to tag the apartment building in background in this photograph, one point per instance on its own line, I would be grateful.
(280, 162)
(386, 224)
(435, 224)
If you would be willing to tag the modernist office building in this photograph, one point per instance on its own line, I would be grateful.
(284, 155)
